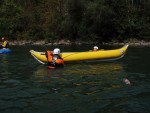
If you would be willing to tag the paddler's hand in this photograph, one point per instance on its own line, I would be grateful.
(54, 61)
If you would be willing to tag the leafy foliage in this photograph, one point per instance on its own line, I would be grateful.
(90, 20)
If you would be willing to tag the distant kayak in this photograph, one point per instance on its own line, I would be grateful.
(102, 55)
(5, 51)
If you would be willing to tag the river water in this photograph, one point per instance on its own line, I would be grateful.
(26, 86)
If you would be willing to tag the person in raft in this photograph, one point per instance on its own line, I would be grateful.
(95, 48)
(4, 43)
(54, 59)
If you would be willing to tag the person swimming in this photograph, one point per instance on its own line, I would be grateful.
(54, 59)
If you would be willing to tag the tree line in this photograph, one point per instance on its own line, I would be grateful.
(75, 20)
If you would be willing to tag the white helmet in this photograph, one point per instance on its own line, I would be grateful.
(95, 47)
(56, 51)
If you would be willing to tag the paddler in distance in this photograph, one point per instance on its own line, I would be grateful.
(95, 48)
(4, 43)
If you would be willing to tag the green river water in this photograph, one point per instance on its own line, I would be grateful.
(26, 86)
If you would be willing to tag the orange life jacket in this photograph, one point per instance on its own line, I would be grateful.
(60, 61)
(49, 56)
(54, 62)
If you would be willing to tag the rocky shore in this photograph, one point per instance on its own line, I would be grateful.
(67, 42)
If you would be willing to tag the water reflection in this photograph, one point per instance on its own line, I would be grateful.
(93, 69)
(4, 61)
(99, 71)
(4, 64)
(92, 78)
(43, 74)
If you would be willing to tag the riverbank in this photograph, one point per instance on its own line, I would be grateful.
(67, 42)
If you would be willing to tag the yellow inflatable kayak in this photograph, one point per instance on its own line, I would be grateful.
(102, 55)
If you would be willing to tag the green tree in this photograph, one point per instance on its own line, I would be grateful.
(10, 19)
(73, 19)
(98, 21)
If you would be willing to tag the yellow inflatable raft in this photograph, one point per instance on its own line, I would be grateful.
(102, 55)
